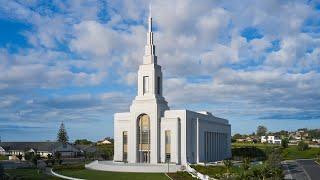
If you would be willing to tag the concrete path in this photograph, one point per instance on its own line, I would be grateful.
(132, 167)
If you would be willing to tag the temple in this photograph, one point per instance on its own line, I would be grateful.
(152, 133)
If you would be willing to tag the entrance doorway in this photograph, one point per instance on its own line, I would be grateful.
(143, 139)
(145, 157)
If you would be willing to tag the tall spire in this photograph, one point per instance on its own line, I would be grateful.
(150, 19)
(149, 55)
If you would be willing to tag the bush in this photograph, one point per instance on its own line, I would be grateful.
(284, 143)
(302, 146)
(248, 152)
(69, 166)
(29, 156)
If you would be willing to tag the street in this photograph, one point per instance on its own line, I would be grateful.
(301, 170)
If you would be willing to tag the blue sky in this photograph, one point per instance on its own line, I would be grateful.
(252, 62)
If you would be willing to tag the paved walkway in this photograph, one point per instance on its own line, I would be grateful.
(132, 167)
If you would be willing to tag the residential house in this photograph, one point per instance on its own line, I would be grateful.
(105, 141)
(271, 139)
(43, 149)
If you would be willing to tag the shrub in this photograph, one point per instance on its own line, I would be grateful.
(248, 152)
(284, 142)
(302, 146)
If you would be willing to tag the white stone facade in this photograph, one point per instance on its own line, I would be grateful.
(151, 133)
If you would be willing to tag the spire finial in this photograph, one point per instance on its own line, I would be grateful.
(150, 18)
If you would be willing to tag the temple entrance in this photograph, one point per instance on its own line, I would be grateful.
(143, 139)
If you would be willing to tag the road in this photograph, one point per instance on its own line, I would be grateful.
(302, 170)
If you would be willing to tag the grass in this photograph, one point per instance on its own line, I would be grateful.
(292, 152)
(258, 145)
(180, 176)
(289, 153)
(31, 174)
(4, 157)
(97, 175)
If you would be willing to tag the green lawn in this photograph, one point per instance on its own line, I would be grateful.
(96, 175)
(289, 153)
(27, 174)
(181, 176)
(293, 153)
(258, 145)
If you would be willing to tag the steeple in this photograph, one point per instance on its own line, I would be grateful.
(149, 54)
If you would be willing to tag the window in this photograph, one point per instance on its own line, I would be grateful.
(125, 145)
(145, 84)
(158, 85)
(168, 145)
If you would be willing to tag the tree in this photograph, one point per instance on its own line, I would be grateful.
(261, 130)
(83, 142)
(302, 146)
(57, 155)
(19, 156)
(62, 136)
(284, 142)
(28, 156)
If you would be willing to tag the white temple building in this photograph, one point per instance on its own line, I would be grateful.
(152, 133)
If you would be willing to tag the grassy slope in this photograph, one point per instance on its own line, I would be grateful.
(293, 153)
(31, 174)
(97, 175)
(181, 176)
(288, 154)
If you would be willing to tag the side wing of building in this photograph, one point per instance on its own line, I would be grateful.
(194, 137)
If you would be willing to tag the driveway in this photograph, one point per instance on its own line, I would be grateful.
(301, 170)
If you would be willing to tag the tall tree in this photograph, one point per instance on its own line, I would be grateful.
(62, 134)
(261, 130)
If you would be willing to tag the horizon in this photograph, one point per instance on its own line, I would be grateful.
(77, 62)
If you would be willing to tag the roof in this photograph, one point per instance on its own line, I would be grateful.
(105, 141)
(86, 148)
(24, 146)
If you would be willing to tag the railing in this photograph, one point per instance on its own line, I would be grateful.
(196, 174)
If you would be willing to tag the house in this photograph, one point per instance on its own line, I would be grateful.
(43, 149)
(271, 139)
(151, 132)
(105, 141)
(317, 140)
(2, 151)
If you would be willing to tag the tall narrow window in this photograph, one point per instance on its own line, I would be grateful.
(145, 84)
(168, 145)
(125, 145)
(158, 85)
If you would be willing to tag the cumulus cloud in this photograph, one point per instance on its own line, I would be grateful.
(78, 50)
